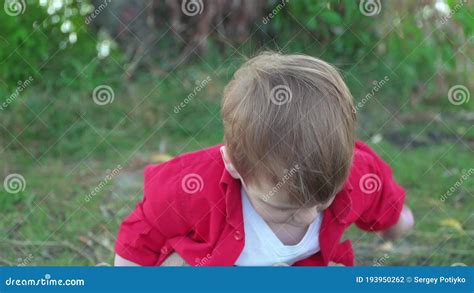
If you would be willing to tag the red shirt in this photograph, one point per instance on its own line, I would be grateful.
(192, 206)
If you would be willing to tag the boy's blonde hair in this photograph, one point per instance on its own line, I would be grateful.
(290, 120)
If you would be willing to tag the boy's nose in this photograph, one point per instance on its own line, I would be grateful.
(305, 216)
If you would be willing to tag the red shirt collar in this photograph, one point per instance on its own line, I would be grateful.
(342, 204)
(229, 184)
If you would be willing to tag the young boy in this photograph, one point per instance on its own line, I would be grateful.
(289, 179)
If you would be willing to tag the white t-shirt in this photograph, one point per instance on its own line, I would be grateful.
(264, 248)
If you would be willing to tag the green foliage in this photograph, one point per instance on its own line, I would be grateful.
(414, 43)
(52, 45)
(323, 27)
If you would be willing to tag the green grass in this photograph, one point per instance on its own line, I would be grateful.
(66, 152)
(52, 222)
(427, 173)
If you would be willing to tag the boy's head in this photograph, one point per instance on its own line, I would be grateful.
(289, 129)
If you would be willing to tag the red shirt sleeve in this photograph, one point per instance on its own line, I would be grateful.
(384, 197)
(138, 241)
(143, 236)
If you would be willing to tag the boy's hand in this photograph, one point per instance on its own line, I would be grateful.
(174, 260)
(404, 224)
(331, 264)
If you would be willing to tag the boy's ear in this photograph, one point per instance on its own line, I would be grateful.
(228, 164)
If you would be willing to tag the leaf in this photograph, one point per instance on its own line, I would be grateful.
(387, 246)
(331, 17)
(160, 157)
(312, 24)
(452, 223)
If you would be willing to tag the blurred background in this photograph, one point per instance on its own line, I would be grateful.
(92, 91)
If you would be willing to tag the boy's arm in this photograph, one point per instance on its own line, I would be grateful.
(383, 208)
(174, 260)
(122, 262)
(143, 236)
(404, 224)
